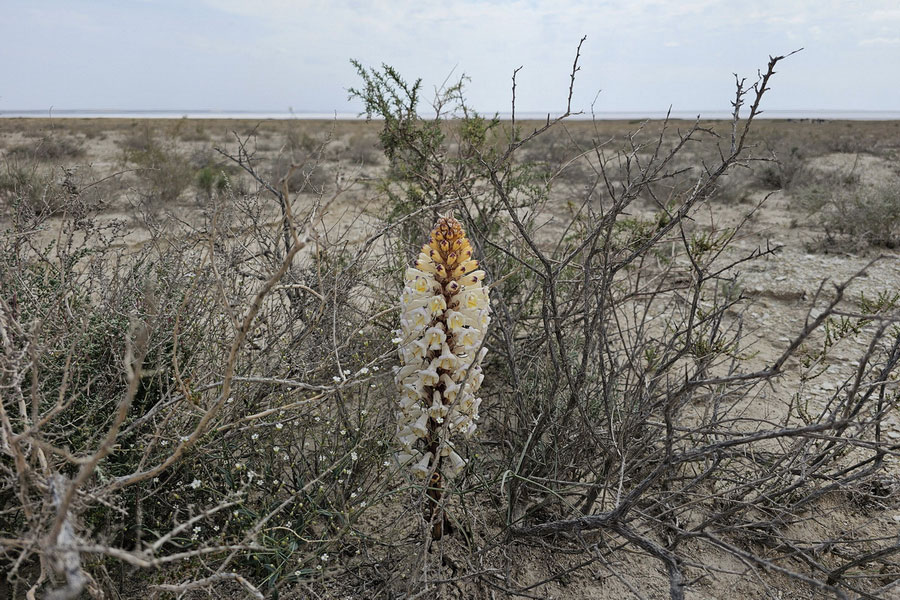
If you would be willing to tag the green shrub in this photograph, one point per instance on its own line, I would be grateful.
(211, 179)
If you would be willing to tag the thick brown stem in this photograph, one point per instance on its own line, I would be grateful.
(434, 514)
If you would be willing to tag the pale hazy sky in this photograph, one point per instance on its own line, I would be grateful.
(276, 54)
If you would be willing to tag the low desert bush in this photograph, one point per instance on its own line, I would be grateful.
(189, 130)
(31, 187)
(163, 170)
(53, 148)
(363, 150)
(781, 171)
(853, 215)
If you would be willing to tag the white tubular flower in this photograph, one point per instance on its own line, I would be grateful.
(460, 422)
(476, 319)
(430, 376)
(404, 458)
(414, 301)
(468, 340)
(457, 463)
(422, 468)
(438, 410)
(435, 337)
(409, 399)
(475, 379)
(445, 313)
(456, 321)
(407, 440)
(409, 415)
(420, 281)
(413, 354)
(402, 373)
(472, 299)
(465, 402)
(420, 427)
(447, 361)
(451, 388)
(415, 321)
(437, 305)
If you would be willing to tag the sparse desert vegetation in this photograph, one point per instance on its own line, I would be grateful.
(691, 389)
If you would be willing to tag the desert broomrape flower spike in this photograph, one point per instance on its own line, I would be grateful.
(445, 313)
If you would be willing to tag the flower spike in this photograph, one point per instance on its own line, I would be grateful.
(445, 312)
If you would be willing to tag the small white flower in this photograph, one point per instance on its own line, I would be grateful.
(347, 371)
(230, 400)
(255, 436)
(324, 557)
(336, 379)
(397, 340)
(364, 371)
(279, 426)
(185, 438)
(354, 456)
(276, 448)
(196, 483)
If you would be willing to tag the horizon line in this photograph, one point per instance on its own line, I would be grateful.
(717, 114)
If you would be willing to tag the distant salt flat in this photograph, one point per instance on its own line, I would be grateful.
(849, 115)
